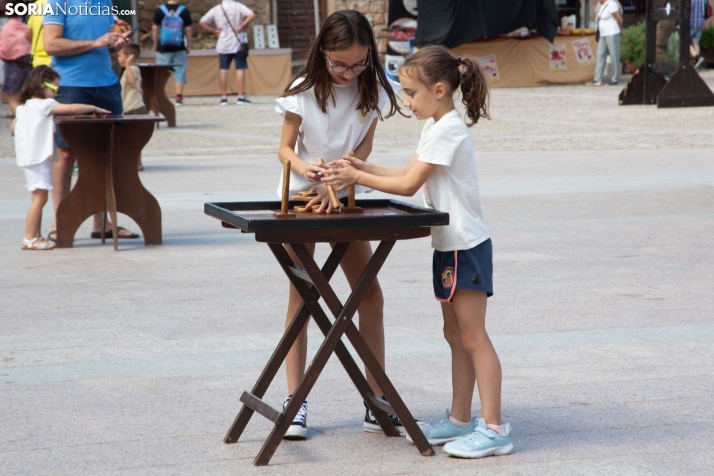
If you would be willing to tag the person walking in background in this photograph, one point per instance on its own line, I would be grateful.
(15, 53)
(228, 21)
(696, 24)
(80, 45)
(172, 35)
(34, 36)
(609, 25)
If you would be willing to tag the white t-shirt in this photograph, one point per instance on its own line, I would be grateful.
(34, 132)
(453, 186)
(607, 24)
(237, 13)
(330, 135)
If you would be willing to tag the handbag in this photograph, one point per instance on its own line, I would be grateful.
(243, 48)
(707, 10)
(24, 61)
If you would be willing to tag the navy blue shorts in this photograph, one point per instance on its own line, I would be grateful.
(465, 269)
(224, 60)
(106, 97)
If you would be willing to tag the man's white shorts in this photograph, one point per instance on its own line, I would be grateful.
(38, 176)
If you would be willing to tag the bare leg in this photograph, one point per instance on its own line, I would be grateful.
(295, 361)
(222, 81)
(470, 310)
(179, 89)
(371, 310)
(61, 178)
(463, 375)
(13, 101)
(240, 80)
(694, 49)
(33, 222)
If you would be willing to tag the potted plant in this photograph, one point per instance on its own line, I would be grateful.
(706, 44)
(632, 46)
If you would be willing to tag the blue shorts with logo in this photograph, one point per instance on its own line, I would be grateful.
(464, 269)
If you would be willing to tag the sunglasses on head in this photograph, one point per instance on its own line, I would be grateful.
(51, 86)
(342, 69)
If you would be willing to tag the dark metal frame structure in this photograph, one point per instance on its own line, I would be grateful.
(648, 86)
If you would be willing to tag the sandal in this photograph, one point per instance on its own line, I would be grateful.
(49, 235)
(37, 243)
(108, 234)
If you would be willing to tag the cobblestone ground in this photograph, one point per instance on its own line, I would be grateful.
(602, 218)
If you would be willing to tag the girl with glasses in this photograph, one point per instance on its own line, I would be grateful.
(332, 108)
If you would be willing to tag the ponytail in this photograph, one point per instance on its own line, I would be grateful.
(474, 89)
(432, 64)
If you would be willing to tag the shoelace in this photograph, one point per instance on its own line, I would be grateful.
(301, 414)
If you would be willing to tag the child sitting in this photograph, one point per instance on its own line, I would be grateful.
(131, 94)
(34, 144)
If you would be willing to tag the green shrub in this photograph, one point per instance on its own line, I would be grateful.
(707, 40)
(673, 47)
(632, 46)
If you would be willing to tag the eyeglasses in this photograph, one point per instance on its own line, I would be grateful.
(355, 69)
(51, 86)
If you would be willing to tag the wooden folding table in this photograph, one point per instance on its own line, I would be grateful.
(385, 221)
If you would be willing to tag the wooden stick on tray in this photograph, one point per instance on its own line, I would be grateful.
(331, 192)
(284, 213)
(351, 208)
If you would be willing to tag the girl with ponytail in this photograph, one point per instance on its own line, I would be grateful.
(462, 264)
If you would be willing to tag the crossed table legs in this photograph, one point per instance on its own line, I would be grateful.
(319, 278)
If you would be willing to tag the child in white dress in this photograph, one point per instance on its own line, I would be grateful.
(35, 147)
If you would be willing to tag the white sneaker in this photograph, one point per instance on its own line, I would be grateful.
(298, 428)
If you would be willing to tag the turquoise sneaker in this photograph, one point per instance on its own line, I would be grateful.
(482, 442)
(445, 431)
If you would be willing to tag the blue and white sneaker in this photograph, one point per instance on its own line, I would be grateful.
(298, 428)
(445, 431)
(480, 443)
(371, 425)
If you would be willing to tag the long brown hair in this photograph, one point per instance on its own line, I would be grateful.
(340, 31)
(433, 64)
(33, 89)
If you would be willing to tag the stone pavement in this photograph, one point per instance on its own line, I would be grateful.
(602, 219)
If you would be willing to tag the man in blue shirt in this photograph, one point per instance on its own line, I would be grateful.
(78, 38)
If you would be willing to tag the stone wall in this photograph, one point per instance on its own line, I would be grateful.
(376, 12)
(201, 38)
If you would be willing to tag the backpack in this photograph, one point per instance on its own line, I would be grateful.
(171, 27)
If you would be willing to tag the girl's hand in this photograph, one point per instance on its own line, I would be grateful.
(99, 110)
(322, 199)
(358, 164)
(315, 171)
(341, 174)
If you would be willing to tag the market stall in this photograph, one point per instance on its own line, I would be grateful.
(533, 60)
(269, 72)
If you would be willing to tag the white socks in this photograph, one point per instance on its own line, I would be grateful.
(458, 423)
(497, 428)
